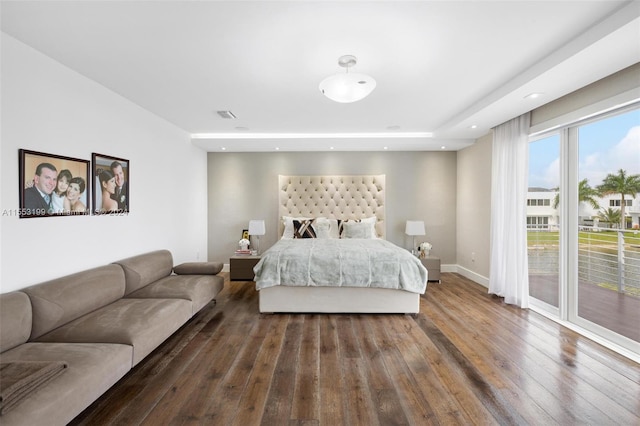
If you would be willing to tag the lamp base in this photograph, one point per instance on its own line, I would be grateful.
(257, 249)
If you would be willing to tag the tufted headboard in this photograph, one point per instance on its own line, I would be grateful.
(334, 197)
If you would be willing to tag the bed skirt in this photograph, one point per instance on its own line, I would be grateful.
(337, 300)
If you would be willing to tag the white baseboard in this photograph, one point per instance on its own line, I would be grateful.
(473, 276)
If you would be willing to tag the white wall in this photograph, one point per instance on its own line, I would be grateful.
(49, 108)
(420, 186)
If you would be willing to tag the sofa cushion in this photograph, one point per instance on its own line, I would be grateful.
(59, 301)
(199, 289)
(142, 323)
(198, 268)
(15, 319)
(146, 268)
(91, 370)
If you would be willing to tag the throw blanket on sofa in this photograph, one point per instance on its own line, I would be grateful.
(19, 379)
(341, 263)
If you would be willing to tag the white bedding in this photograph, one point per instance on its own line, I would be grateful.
(313, 262)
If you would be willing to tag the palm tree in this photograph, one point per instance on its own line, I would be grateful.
(620, 184)
(609, 215)
(586, 194)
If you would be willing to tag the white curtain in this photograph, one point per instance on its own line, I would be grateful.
(509, 273)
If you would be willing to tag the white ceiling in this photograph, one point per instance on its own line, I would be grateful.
(440, 66)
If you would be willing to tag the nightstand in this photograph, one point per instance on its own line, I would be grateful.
(241, 267)
(432, 264)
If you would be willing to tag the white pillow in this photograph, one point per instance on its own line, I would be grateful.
(322, 227)
(334, 228)
(370, 221)
(357, 230)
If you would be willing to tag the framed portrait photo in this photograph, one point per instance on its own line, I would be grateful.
(52, 185)
(111, 184)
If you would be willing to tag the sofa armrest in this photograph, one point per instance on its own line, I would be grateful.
(198, 268)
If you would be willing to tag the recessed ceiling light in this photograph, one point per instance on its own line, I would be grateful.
(331, 147)
(443, 147)
(277, 148)
(474, 126)
(226, 114)
(223, 148)
(386, 147)
(533, 95)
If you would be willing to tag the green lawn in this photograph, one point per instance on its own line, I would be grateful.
(603, 238)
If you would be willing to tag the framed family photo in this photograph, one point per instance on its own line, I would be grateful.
(111, 184)
(52, 185)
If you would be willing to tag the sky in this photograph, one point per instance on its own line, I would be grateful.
(605, 146)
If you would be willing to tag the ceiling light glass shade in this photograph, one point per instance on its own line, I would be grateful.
(347, 87)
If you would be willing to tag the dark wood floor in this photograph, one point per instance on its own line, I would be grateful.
(465, 359)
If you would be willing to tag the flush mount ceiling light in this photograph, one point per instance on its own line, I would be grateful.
(347, 87)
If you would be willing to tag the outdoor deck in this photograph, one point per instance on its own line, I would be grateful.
(608, 308)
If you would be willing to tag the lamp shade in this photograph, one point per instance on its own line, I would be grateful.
(256, 227)
(414, 227)
(347, 87)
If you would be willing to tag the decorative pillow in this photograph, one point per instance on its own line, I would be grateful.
(370, 222)
(303, 228)
(354, 229)
(322, 227)
(288, 225)
(335, 228)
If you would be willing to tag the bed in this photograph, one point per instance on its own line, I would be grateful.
(332, 256)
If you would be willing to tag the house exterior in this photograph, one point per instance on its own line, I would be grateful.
(541, 214)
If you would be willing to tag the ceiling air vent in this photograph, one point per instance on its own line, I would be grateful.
(226, 114)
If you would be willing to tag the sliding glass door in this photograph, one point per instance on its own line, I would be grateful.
(608, 292)
(583, 223)
(543, 225)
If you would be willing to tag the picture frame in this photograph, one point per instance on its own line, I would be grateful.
(110, 180)
(245, 234)
(52, 185)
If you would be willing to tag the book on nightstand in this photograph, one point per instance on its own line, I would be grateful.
(240, 252)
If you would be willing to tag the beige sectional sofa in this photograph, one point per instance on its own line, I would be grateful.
(87, 330)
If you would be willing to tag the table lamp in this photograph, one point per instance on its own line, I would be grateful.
(256, 228)
(413, 228)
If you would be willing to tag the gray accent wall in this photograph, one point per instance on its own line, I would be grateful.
(603, 94)
(419, 186)
(474, 165)
(474, 210)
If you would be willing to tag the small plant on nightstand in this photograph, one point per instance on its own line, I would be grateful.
(244, 244)
(424, 249)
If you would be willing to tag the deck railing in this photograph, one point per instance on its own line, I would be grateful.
(606, 257)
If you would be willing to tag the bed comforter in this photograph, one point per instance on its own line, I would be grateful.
(340, 263)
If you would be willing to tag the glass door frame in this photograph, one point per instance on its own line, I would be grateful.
(567, 311)
(540, 305)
